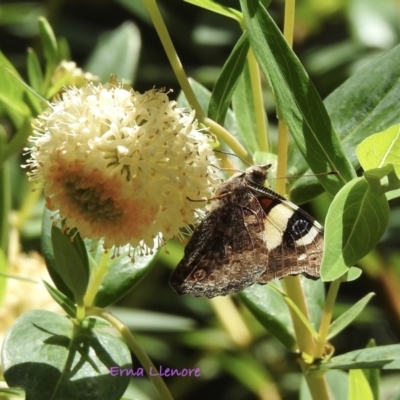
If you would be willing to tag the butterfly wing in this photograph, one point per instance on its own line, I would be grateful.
(226, 253)
(294, 240)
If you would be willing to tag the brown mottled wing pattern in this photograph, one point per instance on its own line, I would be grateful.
(226, 253)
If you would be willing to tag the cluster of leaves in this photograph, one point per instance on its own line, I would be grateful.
(351, 129)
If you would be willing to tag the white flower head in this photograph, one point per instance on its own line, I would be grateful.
(121, 165)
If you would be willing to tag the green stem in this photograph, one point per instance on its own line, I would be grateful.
(315, 381)
(80, 310)
(226, 137)
(5, 199)
(96, 279)
(256, 90)
(183, 81)
(326, 318)
(137, 349)
(173, 58)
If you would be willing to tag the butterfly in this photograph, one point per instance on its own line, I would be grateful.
(250, 235)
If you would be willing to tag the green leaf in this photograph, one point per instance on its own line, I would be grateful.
(67, 305)
(382, 357)
(3, 279)
(372, 375)
(218, 8)
(49, 43)
(356, 220)
(71, 261)
(48, 254)
(358, 386)
(123, 274)
(297, 99)
(271, 311)
(51, 358)
(349, 316)
(379, 149)
(116, 53)
(228, 80)
(256, 375)
(244, 110)
(18, 141)
(367, 102)
(357, 111)
(382, 179)
(352, 274)
(12, 94)
(35, 73)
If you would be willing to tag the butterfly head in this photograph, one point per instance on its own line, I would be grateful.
(257, 174)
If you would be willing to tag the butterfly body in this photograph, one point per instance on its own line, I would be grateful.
(250, 235)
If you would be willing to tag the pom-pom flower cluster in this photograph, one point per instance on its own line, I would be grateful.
(121, 165)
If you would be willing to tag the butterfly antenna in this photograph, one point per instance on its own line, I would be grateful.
(233, 154)
(301, 176)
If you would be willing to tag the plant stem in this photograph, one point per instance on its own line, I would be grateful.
(183, 81)
(226, 137)
(316, 382)
(173, 58)
(96, 278)
(137, 349)
(326, 318)
(262, 128)
(232, 320)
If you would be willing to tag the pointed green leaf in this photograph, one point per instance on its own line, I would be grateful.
(48, 254)
(349, 316)
(244, 110)
(51, 358)
(358, 386)
(382, 357)
(271, 311)
(296, 97)
(35, 73)
(379, 149)
(116, 53)
(67, 305)
(217, 8)
(71, 262)
(356, 220)
(372, 375)
(49, 43)
(228, 80)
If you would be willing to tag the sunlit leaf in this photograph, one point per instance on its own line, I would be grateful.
(380, 149)
(356, 220)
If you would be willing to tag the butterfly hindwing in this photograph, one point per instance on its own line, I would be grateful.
(294, 242)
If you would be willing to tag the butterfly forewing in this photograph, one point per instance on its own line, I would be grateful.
(226, 253)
